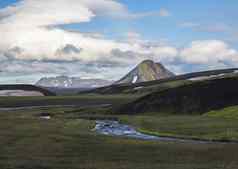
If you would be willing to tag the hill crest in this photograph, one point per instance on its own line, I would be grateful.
(147, 70)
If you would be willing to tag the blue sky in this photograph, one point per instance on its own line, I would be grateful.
(184, 35)
(205, 12)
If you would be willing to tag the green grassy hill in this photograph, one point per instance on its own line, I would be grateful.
(155, 85)
(197, 97)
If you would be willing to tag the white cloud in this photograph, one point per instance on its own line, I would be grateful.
(209, 52)
(201, 55)
(18, 71)
(165, 53)
(28, 26)
(32, 43)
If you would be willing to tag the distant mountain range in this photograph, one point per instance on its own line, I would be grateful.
(146, 71)
(72, 82)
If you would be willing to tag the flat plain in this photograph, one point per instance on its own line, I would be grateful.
(66, 141)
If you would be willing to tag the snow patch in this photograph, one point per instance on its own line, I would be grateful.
(45, 117)
(66, 84)
(19, 93)
(138, 88)
(135, 78)
(206, 77)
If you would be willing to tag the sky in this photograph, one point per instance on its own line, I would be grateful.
(106, 38)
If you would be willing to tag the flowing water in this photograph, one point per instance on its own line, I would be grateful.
(114, 128)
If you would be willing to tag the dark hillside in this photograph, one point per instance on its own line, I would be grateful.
(197, 97)
(129, 88)
(27, 88)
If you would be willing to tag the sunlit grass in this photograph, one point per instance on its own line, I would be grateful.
(229, 112)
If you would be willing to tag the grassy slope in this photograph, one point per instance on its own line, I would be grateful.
(212, 125)
(197, 97)
(80, 100)
(130, 88)
(27, 142)
(138, 88)
(220, 124)
(197, 127)
(227, 113)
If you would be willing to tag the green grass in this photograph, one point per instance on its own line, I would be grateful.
(157, 87)
(152, 86)
(197, 127)
(215, 125)
(67, 142)
(27, 142)
(229, 112)
(80, 100)
(196, 97)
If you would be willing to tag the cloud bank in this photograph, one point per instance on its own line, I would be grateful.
(35, 45)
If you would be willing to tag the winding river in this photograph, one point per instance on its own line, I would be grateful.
(114, 128)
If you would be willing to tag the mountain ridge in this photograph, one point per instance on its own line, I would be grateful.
(197, 97)
(147, 70)
(71, 82)
(10, 88)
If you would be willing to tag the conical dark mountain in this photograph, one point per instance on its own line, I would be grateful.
(146, 71)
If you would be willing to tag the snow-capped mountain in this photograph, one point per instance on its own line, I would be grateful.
(72, 82)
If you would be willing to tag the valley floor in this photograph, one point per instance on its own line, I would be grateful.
(66, 141)
(56, 144)
(187, 126)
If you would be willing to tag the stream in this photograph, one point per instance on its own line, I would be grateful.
(114, 128)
